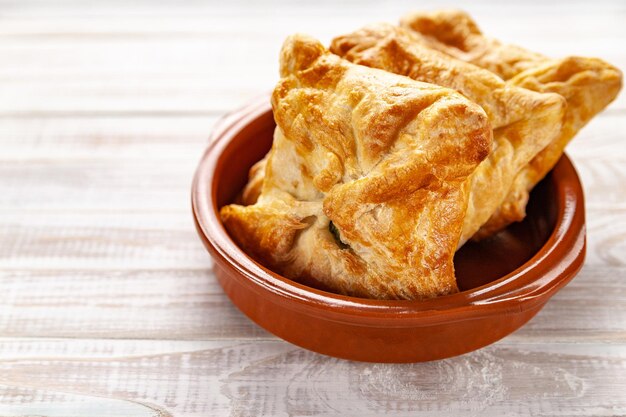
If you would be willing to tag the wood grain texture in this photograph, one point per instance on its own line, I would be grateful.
(164, 184)
(143, 304)
(108, 303)
(148, 162)
(277, 379)
(178, 139)
(84, 62)
(100, 239)
(190, 305)
(146, 137)
(136, 239)
(124, 184)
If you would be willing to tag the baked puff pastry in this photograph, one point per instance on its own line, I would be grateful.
(523, 121)
(587, 84)
(365, 188)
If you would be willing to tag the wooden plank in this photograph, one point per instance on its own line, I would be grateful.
(602, 181)
(94, 138)
(197, 87)
(142, 304)
(583, 311)
(212, 62)
(165, 184)
(26, 401)
(100, 239)
(220, 21)
(190, 305)
(606, 238)
(275, 378)
(97, 185)
(602, 138)
(123, 163)
(184, 137)
(157, 239)
(166, 240)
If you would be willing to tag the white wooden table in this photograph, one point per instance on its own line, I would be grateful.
(108, 306)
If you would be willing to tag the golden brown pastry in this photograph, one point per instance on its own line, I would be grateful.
(455, 33)
(365, 187)
(524, 121)
(588, 85)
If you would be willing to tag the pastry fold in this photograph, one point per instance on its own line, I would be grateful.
(523, 121)
(366, 185)
(587, 84)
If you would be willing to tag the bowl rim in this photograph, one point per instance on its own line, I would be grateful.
(528, 286)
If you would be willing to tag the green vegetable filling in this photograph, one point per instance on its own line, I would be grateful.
(335, 232)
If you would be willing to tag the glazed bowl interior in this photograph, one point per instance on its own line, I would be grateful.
(516, 262)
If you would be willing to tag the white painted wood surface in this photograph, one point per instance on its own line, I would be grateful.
(108, 306)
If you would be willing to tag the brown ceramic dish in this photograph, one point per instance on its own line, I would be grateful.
(504, 280)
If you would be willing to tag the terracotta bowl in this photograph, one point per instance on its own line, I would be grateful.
(504, 280)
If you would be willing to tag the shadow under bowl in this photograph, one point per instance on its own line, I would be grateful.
(504, 280)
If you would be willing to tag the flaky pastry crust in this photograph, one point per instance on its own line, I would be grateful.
(587, 84)
(365, 187)
(523, 121)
